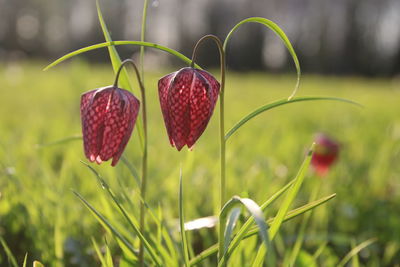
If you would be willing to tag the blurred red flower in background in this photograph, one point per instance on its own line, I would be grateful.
(326, 153)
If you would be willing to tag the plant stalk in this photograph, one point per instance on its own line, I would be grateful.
(144, 118)
(221, 124)
(144, 155)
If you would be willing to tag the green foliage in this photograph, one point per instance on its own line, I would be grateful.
(36, 180)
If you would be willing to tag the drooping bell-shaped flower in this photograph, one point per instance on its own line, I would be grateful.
(108, 116)
(187, 99)
(326, 153)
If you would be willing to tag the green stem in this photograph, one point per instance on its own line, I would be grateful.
(144, 155)
(144, 118)
(142, 37)
(221, 125)
(221, 103)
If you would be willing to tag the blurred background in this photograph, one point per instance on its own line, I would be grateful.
(330, 37)
(346, 48)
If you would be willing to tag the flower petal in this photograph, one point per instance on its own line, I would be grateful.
(163, 87)
(200, 108)
(131, 110)
(178, 107)
(214, 85)
(93, 108)
(118, 125)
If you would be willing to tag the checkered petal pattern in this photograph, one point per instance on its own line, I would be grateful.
(108, 117)
(187, 99)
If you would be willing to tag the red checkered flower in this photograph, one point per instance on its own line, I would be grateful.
(108, 116)
(326, 153)
(187, 98)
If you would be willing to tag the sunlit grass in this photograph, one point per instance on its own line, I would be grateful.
(40, 215)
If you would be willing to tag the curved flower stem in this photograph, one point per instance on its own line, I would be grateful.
(221, 102)
(221, 123)
(123, 63)
(144, 156)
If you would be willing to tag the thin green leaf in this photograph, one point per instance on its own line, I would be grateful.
(166, 236)
(25, 259)
(231, 223)
(302, 231)
(131, 169)
(281, 34)
(161, 250)
(290, 215)
(296, 212)
(278, 103)
(61, 141)
(320, 249)
(132, 223)
(255, 212)
(106, 44)
(291, 194)
(9, 254)
(355, 251)
(246, 226)
(354, 260)
(106, 223)
(114, 56)
(284, 208)
(99, 254)
(185, 250)
(170, 257)
(108, 256)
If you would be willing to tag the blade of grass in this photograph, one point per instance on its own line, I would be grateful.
(355, 251)
(170, 257)
(301, 232)
(132, 223)
(131, 169)
(114, 56)
(284, 208)
(99, 254)
(25, 259)
(9, 254)
(354, 260)
(281, 34)
(320, 249)
(166, 235)
(290, 215)
(61, 141)
(255, 212)
(185, 250)
(108, 256)
(163, 252)
(106, 44)
(106, 223)
(231, 223)
(246, 226)
(278, 103)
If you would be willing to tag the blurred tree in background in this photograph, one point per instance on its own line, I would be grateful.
(335, 37)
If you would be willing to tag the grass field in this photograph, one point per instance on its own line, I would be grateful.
(40, 215)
